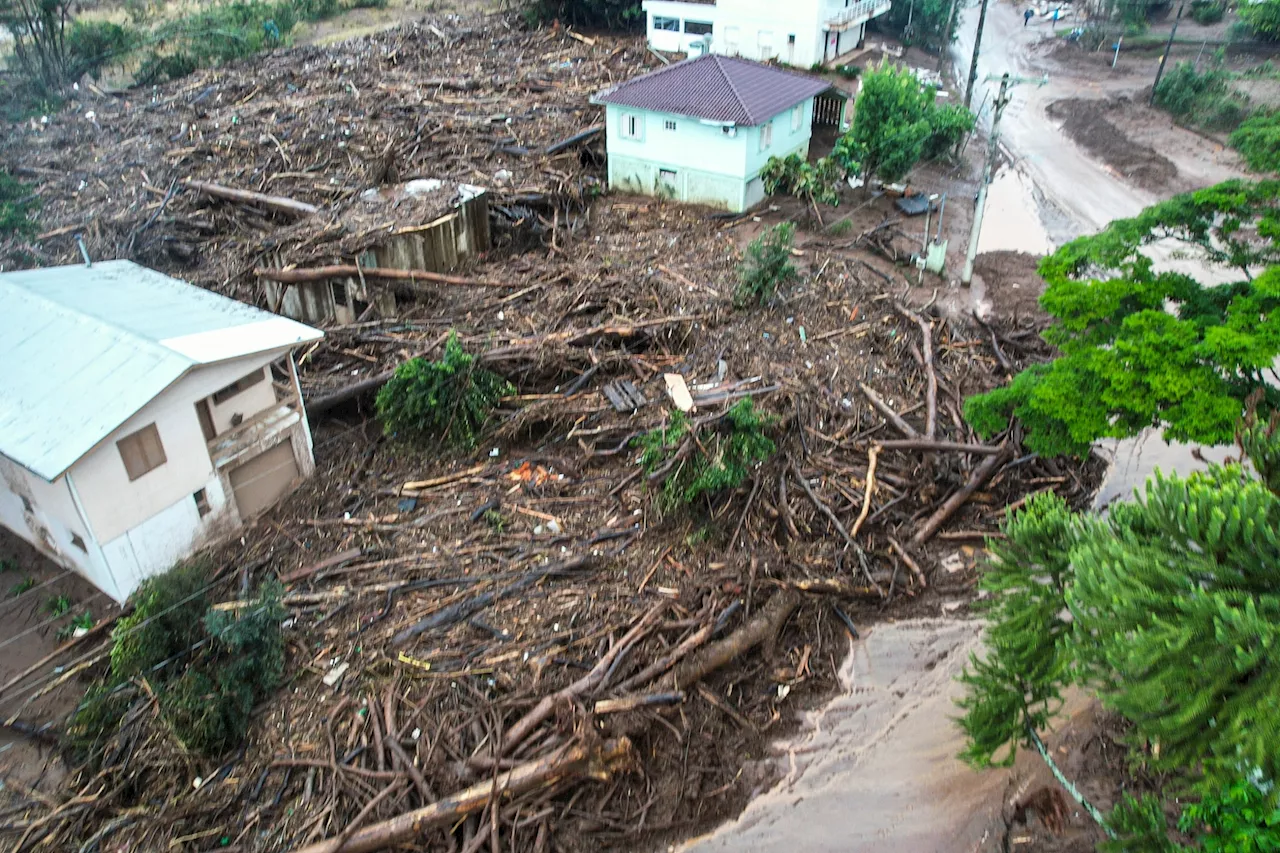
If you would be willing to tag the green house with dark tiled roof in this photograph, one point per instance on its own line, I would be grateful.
(700, 131)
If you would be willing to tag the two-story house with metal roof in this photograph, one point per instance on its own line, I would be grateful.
(141, 417)
(801, 33)
(701, 130)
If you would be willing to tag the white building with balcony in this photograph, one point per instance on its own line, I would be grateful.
(802, 33)
(141, 417)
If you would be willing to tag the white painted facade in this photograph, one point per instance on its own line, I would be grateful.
(801, 33)
(116, 532)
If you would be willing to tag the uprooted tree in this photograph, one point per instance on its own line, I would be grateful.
(1167, 608)
(451, 398)
(695, 459)
(766, 266)
(204, 668)
(1149, 345)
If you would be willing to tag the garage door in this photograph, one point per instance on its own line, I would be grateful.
(262, 480)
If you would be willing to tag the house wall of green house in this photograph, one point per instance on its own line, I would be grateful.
(686, 160)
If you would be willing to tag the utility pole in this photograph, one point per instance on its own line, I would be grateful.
(1167, 48)
(945, 54)
(977, 48)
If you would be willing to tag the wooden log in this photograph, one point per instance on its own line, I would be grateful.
(328, 563)
(941, 446)
(274, 203)
(557, 147)
(762, 629)
(596, 760)
(630, 703)
(980, 475)
(306, 274)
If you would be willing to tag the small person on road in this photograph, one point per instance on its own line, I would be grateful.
(1027, 16)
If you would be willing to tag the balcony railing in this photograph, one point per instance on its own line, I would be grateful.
(852, 16)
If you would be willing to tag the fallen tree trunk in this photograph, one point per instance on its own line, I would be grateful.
(598, 761)
(583, 136)
(762, 629)
(276, 203)
(325, 402)
(306, 274)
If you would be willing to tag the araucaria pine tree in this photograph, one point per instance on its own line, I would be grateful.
(1168, 608)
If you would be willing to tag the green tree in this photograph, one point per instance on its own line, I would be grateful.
(1263, 18)
(39, 31)
(451, 398)
(793, 175)
(1141, 347)
(17, 202)
(927, 20)
(766, 266)
(1169, 608)
(620, 14)
(896, 122)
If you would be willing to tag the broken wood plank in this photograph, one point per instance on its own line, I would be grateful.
(329, 563)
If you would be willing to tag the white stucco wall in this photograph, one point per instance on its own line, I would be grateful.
(246, 404)
(794, 32)
(51, 523)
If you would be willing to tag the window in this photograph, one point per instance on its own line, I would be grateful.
(791, 39)
(222, 395)
(141, 451)
(729, 131)
(697, 28)
(669, 125)
(766, 136)
(206, 420)
(202, 502)
(78, 542)
(670, 25)
(632, 126)
(339, 291)
(797, 118)
(26, 505)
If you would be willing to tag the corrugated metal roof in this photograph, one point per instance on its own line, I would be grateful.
(717, 88)
(84, 348)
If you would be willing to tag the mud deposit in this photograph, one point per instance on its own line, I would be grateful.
(878, 763)
(1086, 123)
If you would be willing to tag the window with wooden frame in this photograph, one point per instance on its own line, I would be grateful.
(632, 126)
(202, 502)
(141, 451)
(766, 136)
(245, 382)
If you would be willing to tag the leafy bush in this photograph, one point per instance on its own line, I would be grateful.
(849, 72)
(1142, 348)
(1262, 18)
(793, 175)
(1258, 141)
(928, 20)
(450, 399)
(767, 266)
(614, 14)
(17, 201)
(1239, 818)
(1207, 12)
(1203, 98)
(948, 126)
(714, 461)
(93, 45)
(206, 667)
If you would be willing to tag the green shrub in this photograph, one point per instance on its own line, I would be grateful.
(1239, 818)
(17, 202)
(1207, 11)
(1202, 98)
(793, 175)
(767, 266)
(713, 461)
(160, 68)
(948, 125)
(206, 667)
(1258, 141)
(93, 45)
(849, 72)
(1262, 19)
(450, 399)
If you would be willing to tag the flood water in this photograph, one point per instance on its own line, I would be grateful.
(876, 769)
